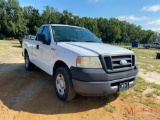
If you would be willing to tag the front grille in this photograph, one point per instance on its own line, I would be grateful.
(116, 63)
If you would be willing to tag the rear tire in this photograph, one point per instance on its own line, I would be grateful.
(28, 65)
(63, 84)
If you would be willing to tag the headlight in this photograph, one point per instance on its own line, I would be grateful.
(88, 62)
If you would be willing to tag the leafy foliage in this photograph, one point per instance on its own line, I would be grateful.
(16, 21)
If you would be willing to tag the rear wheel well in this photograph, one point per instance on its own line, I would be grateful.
(59, 64)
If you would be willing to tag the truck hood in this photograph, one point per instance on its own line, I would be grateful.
(93, 49)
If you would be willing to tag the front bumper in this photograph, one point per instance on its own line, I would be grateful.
(96, 82)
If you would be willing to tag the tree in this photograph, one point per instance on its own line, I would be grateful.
(34, 19)
(113, 31)
(67, 18)
(11, 18)
(51, 15)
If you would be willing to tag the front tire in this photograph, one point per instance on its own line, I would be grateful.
(28, 65)
(63, 84)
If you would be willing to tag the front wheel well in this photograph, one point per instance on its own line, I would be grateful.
(25, 52)
(58, 64)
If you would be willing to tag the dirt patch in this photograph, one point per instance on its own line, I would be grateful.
(148, 90)
(149, 76)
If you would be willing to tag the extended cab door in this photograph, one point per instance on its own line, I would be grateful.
(37, 50)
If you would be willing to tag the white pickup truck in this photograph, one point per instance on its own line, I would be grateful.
(152, 45)
(79, 62)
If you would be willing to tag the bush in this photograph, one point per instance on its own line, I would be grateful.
(2, 37)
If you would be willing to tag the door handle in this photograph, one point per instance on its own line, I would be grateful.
(37, 46)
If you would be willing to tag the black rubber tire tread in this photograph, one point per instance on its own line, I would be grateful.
(30, 65)
(69, 93)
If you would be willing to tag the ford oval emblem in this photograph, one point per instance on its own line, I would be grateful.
(123, 62)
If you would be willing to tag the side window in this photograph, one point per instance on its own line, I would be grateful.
(46, 31)
(40, 31)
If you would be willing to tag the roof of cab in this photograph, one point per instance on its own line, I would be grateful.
(61, 25)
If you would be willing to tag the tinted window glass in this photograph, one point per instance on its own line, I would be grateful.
(47, 34)
(40, 31)
(73, 34)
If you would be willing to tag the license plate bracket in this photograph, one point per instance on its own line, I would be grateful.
(123, 86)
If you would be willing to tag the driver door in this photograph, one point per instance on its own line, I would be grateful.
(46, 53)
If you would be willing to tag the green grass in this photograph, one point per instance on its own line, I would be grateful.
(140, 86)
(151, 103)
(157, 92)
(149, 94)
(110, 108)
(146, 59)
(8, 50)
(153, 85)
(7, 45)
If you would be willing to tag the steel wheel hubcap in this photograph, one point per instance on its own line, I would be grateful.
(60, 84)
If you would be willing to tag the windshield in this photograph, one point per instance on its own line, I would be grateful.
(73, 34)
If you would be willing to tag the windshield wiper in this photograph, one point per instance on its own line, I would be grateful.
(66, 40)
(89, 41)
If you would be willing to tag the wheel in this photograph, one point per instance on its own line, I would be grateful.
(28, 65)
(147, 47)
(63, 84)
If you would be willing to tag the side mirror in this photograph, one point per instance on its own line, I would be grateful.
(100, 39)
(42, 38)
